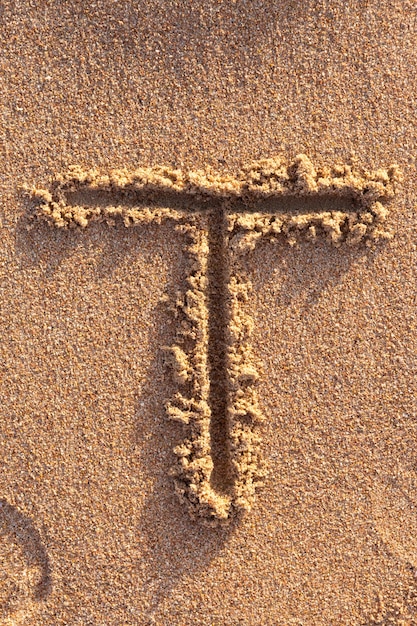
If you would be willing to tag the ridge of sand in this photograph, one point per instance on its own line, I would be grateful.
(231, 367)
(264, 179)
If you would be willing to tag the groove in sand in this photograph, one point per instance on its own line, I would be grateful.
(218, 458)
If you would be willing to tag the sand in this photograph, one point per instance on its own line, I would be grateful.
(91, 528)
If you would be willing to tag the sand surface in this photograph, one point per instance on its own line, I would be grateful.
(91, 530)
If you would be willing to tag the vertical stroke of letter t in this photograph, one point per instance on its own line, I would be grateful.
(218, 460)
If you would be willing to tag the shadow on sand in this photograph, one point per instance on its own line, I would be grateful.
(172, 545)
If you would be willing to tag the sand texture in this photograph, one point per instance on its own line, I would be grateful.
(208, 329)
(211, 358)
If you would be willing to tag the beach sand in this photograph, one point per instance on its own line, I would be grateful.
(91, 529)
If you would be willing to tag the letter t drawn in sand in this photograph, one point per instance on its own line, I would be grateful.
(218, 460)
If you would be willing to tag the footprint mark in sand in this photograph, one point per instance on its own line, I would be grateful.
(219, 461)
(24, 565)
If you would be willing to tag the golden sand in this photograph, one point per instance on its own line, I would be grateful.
(202, 312)
(212, 360)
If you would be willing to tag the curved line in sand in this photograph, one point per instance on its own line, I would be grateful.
(26, 572)
(394, 505)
